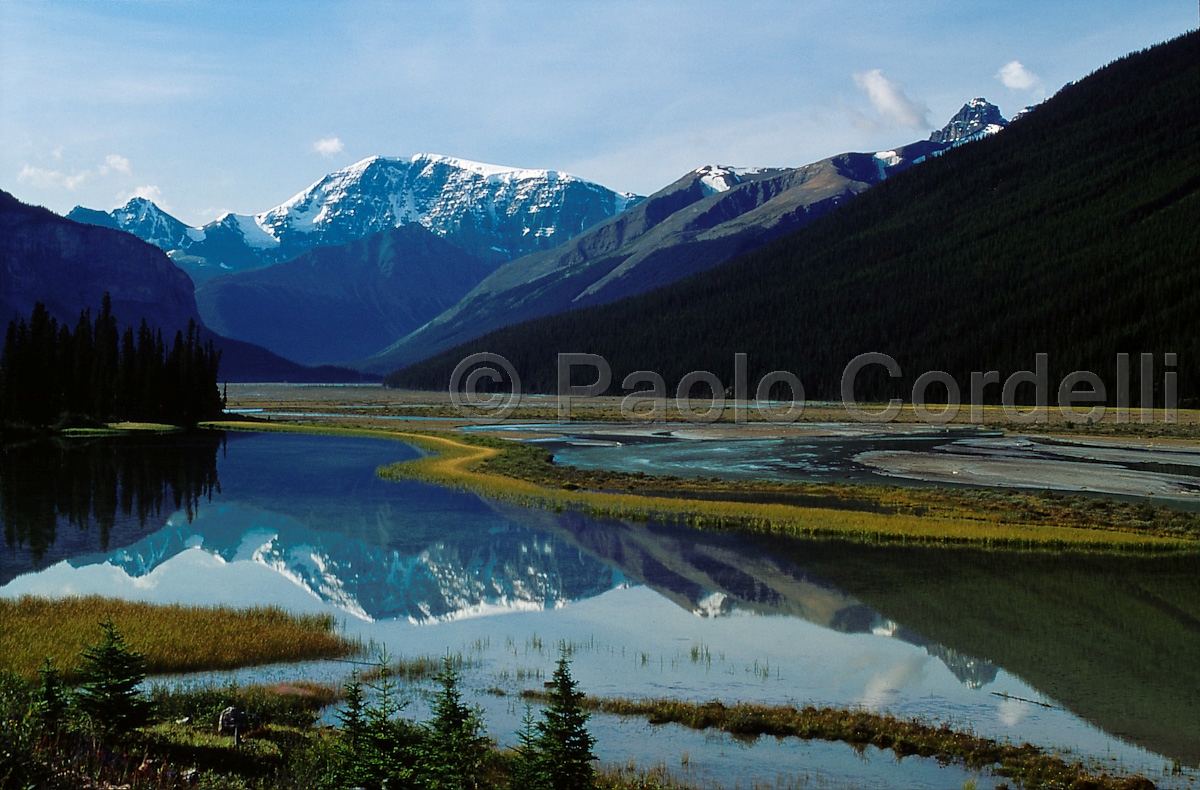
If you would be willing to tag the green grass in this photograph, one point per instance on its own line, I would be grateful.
(1033, 767)
(173, 638)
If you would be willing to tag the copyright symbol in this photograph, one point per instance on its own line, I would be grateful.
(466, 397)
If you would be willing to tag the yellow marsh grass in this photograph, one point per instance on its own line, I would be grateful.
(456, 463)
(173, 638)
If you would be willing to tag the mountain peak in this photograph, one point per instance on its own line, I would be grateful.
(500, 212)
(977, 117)
(140, 207)
(722, 178)
(487, 170)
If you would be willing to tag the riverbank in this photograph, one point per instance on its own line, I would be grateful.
(512, 472)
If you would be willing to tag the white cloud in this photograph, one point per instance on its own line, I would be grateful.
(57, 179)
(888, 99)
(51, 179)
(1016, 76)
(115, 162)
(148, 192)
(328, 146)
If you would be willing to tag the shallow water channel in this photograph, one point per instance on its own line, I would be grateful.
(1109, 644)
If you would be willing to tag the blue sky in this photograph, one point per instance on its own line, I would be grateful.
(227, 106)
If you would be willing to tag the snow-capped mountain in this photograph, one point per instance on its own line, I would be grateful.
(514, 211)
(498, 213)
(977, 118)
(143, 219)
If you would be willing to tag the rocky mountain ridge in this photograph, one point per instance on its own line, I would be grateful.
(496, 213)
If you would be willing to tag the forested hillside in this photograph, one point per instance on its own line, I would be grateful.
(1076, 233)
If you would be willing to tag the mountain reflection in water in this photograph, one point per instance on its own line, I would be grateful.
(374, 549)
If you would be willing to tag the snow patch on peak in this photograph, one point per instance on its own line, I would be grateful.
(491, 171)
(621, 201)
(255, 234)
(889, 158)
(720, 178)
(140, 204)
(1019, 113)
(138, 209)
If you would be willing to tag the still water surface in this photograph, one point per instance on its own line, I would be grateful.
(1110, 643)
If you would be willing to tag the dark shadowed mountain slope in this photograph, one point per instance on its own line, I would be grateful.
(1074, 233)
(708, 216)
(345, 302)
(69, 266)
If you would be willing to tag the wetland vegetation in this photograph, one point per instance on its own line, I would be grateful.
(56, 740)
(173, 638)
(1048, 508)
(525, 475)
(1030, 766)
(109, 733)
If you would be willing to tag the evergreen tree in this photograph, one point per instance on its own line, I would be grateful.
(353, 718)
(353, 715)
(79, 394)
(455, 749)
(106, 351)
(563, 739)
(112, 672)
(528, 769)
(383, 758)
(51, 701)
(9, 392)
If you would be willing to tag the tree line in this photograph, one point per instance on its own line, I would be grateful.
(51, 375)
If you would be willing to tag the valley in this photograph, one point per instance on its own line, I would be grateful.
(819, 424)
